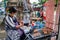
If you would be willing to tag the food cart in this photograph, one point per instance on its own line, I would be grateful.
(40, 34)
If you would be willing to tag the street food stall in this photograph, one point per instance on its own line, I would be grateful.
(39, 28)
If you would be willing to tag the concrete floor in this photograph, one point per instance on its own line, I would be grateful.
(2, 35)
(59, 28)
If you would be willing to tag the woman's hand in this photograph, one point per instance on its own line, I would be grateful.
(18, 26)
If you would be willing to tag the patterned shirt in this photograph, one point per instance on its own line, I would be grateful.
(10, 26)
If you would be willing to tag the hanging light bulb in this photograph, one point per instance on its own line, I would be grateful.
(34, 1)
(0, 0)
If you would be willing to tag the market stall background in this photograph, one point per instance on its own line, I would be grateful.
(51, 15)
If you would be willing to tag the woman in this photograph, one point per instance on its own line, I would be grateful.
(12, 27)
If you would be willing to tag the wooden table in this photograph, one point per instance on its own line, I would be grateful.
(35, 19)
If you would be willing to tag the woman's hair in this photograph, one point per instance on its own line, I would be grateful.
(12, 9)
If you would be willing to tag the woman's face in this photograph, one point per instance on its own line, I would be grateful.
(33, 22)
(7, 9)
(12, 14)
(38, 19)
